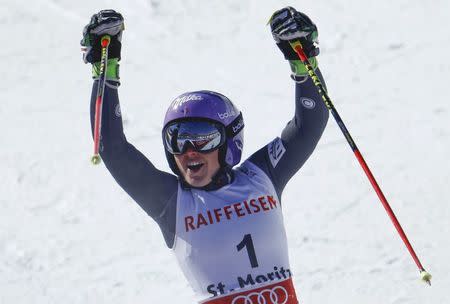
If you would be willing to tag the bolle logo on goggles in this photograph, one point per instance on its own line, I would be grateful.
(185, 98)
(238, 126)
(276, 295)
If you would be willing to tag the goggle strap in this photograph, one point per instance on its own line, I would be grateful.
(235, 126)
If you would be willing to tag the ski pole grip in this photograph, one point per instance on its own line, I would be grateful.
(298, 48)
(105, 41)
(295, 44)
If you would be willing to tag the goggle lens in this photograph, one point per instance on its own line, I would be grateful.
(202, 136)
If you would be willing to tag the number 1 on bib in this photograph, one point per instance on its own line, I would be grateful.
(248, 243)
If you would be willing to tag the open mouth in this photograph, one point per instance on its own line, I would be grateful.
(194, 166)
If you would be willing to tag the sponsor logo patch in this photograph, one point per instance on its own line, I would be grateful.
(275, 295)
(280, 292)
(247, 171)
(117, 110)
(183, 99)
(308, 103)
(228, 114)
(276, 151)
(238, 144)
(238, 127)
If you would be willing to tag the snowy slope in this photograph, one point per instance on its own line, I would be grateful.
(69, 234)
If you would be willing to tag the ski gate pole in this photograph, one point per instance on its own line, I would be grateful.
(297, 46)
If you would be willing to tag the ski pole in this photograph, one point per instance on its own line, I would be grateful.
(297, 46)
(105, 40)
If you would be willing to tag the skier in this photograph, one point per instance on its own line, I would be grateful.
(224, 224)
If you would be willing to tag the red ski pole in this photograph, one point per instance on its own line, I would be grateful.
(105, 40)
(297, 46)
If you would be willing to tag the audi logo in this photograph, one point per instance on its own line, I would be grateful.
(276, 295)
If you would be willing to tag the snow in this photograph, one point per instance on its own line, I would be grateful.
(69, 234)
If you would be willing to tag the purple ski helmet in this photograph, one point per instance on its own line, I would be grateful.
(213, 106)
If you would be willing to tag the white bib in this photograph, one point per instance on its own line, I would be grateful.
(232, 238)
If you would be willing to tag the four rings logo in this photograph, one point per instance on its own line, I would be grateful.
(276, 295)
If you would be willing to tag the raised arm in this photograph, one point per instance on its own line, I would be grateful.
(285, 155)
(152, 189)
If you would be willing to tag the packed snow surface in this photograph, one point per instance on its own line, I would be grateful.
(69, 234)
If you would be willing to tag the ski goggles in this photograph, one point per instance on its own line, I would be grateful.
(201, 136)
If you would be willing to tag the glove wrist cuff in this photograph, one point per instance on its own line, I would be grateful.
(112, 70)
(299, 69)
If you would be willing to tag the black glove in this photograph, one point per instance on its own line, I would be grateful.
(287, 24)
(106, 22)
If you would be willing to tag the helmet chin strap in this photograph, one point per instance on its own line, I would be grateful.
(222, 154)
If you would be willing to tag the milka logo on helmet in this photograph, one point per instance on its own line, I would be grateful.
(227, 114)
(185, 98)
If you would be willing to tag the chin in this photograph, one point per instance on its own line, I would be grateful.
(196, 183)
